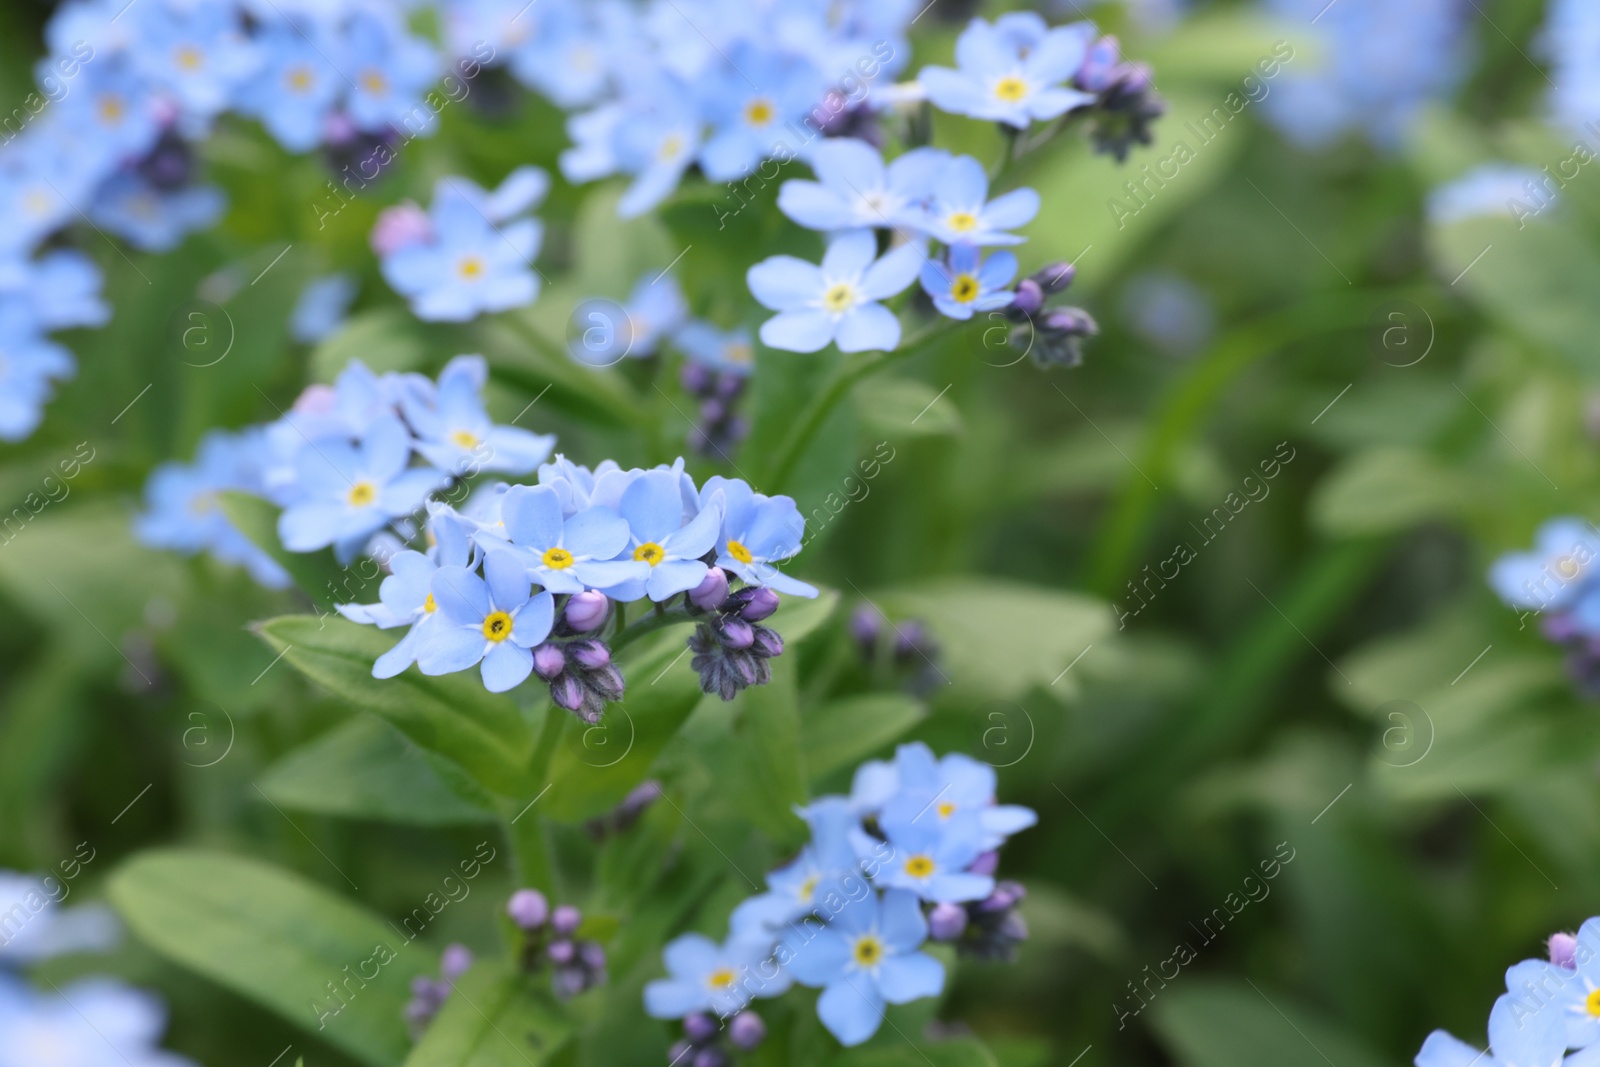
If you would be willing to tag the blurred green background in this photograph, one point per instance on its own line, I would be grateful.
(1326, 678)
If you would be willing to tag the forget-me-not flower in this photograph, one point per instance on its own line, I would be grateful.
(492, 619)
(295, 88)
(929, 856)
(389, 70)
(1516, 1039)
(405, 597)
(758, 531)
(965, 282)
(942, 790)
(749, 120)
(960, 211)
(471, 266)
(854, 189)
(567, 554)
(453, 430)
(837, 301)
(661, 537)
(94, 1022)
(1007, 75)
(321, 307)
(821, 869)
(730, 351)
(152, 219)
(1556, 574)
(705, 976)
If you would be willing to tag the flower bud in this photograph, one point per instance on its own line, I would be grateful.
(768, 643)
(986, 863)
(711, 1057)
(592, 955)
(713, 411)
(587, 611)
(606, 684)
(1029, 298)
(866, 627)
(947, 922)
(562, 952)
(1073, 321)
(1563, 948)
(422, 987)
(729, 386)
(567, 692)
(734, 632)
(565, 920)
(548, 661)
(1099, 67)
(758, 603)
(455, 962)
(695, 379)
(569, 981)
(1054, 278)
(592, 655)
(677, 1052)
(400, 226)
(699, 1027)
(528, 908)
(747, 1030)
(712, 590)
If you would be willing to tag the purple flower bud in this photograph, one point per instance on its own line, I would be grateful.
(422, 987)
(735, 633)
(729, 386)
(711, 1057)
(562, 952)
(1054, 278)
(1559, 628)
(696, 380)
(455, 962)
(747, 1030)
(699, 1027)
(768, 643)
(587, 611)
(1563, 947)
(678, 1051)
(1014, 928)
(1099, 66)
(567, 692)
(947, 922)
(986, 863)
(593, 655)
(528, 908)
(759, 603)
(548, 662)
(565, 920)
(1134, 78)
(713, 410)
(746, 669)
(1029, 298)
(712, 590)
(1073, 321)
(866, 626)
(640, 797)
(568, 981)
(592, 955)
(606, 684)
(1006, 895)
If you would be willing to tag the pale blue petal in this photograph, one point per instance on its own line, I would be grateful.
(532, 516)
(506, 574)
(698, 537)
(670, 999)
(950, 90)
(447, 649)
(815, 956)
(506, 666)
(596, 533)
(798, 331)
(691, 956)
(674, 576)
(851, 1009)
(867, 328)
(609, 574)
(897, 269)
(849, 254)
(535, 621)
(398, 658)
(848, 163)
(1443, 1050)
(461, 595)
(1014, 209)
(653, 506)
(785, 282)
(963, 184)
(813, 206)
(901, 922)
(902, 979)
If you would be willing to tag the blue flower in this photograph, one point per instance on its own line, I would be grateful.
(454, 432)
(94, 1022)
(749, 120)
(1572, 993)
(345, 493)
(1012, 72)
(956, 786)
(114, 111)
(152, 219)
(837, 301)
(664, 538)
(854, 189)
(471, 266)
(60, 289)
(705, 976)
(865, 957)
(963, 285)
(491, 619)
(960, 211)
(296, 88)
(655, 309)
(656, 145)
(1516, 1039)
(1489, 190)
(197, 52)
(927, 855)
(48, 930)
(1571, 35)
(29, 362)
(321, 308)
(405, 598)
(567, 554)
(821, 869)
(731, 352)
(388, 71)
(1556, 573)
(556, 52)
(757, 532)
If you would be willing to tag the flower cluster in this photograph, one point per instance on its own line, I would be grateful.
(575, 964)
(124, 93)
(471, 252)
(352, 465)
(93, 1022)
(1558, 580)
(848, 915)
(1384, 62)
(428, 994)
(1549, 1007)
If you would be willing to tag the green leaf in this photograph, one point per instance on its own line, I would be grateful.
(905, 407)
(452, 716)
(276, 939)
(847, 731)
(998, 639)
(385, 339)
(494, 1017)
(799, 619)
(1207, 1023)
(315, 573)
(1385, 490)
(366, 769)
(903, 1052)
(768, 734)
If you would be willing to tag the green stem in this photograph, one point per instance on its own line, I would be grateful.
(525, 829)
(852, 371)
(647, 625)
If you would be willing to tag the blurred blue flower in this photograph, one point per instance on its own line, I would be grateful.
(838, 301)
(854, 189)
(929, 856)
(1571, 37)
(757, 532)
(1488, 190)
(960, 211)
(492, 619)
(472, 264)
(94, 1022)
(196, 52)
(453, 430)
(654, 310)
(962, 284)
(36, 926)
(865, 957)
(729, 351)
(567, 554)
(944, 790)
(1556, 573)
(296, 87)
(798, 888)
(153, 219)
(1013, 70)
(60, 289)
(750, 121)
(389, 69)
(656, 144)
(705, 976)
(321, 307)
(113, 112)
(1518, 1037)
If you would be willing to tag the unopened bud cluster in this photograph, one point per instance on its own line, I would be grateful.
(550, 936)
(703, 1045)
(1127, 103)
(1053, 337)
(429, 994)
(987, 929)
(720, 427)
(731, 648)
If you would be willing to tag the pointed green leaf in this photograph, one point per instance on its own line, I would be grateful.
(846, 732)
(494, 1017)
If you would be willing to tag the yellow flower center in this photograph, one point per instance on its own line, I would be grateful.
(962, 221)
(840, 297)
(299, 79)
(188, 57)
(739, 552)
(111, 109)
(738, 353)
(497, 626)
(374, 82)
(946, 810)
(464, 438)
(362, 494)
(759, 112)
(722, 978)
(430, 605)
(1011, 89)
(868, 951)
(650, 552)
(671, 148)
(1568, 567)
(37, 202)
(919, 866)
(1593, 1003)
(964, 290)
(807, 888)
(558, 559)
(471, 268)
